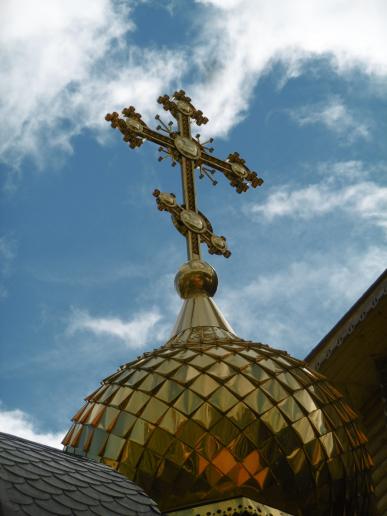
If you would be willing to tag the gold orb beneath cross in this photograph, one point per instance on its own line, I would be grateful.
(196, 277)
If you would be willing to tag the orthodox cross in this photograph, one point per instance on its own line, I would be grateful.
(191, 154)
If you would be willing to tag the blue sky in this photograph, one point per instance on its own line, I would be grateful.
(87, 261)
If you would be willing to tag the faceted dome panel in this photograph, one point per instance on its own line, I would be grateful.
(215, 420)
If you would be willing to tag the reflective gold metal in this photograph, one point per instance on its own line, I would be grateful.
(210, 423)
(190, 153)
(196, 277)
(199, 312)
(219, 425)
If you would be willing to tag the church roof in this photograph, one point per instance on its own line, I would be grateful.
(369, 304)
(353, 355)
(38, 480)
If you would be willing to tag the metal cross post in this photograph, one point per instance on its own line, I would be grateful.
(190, 153)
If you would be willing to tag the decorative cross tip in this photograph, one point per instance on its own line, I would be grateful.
(132, 127)
(182, 104)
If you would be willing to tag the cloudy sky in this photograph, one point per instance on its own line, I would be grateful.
(87, 263)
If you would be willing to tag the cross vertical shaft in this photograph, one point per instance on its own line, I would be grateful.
(189, 188)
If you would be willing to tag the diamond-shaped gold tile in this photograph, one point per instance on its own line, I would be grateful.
(154, 410)
(113, 447)
(188, 402)
(304, 429)
(121, 396)
(256, 373)
(274, 389)
(124, 423)
(95, 414)
(258, 401)
(223, 399)
(289, 381)
(305, 400)
(160, 441)
(240, 385)
(178, 452)
(207, 415)
(153, 362)
(108, 418)
(329, 444)
(204, 385)
(208, 447)
(169, 391)
(172, 420)
(150, 383)
(241, 415)
(221, 370)
(185, 354)
(274, 420)
(131, 454)
(150, 462)
(297, 460)
(190, 432)
(97, 443)
(167, 366)
(136, 402)
(290, 408)
(224, 461)
(185, 374)
(253, 462)
(314, 452)
(257, 432)
(141, 431)
(218, 352)
(237, 361)
(202, 361)
(271, 365)
(250, 353)
(224, 431)
(319, 421)
(108, 393)
(136, 378)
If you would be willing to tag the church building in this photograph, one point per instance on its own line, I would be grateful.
(209, 423)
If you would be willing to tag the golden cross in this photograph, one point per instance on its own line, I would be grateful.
(190, 153)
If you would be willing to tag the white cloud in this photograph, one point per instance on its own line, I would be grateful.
(335, 116)
(17, 422)
(294, 307)
(64, 66)
(242, 39)
(362, 200)
(135, 333)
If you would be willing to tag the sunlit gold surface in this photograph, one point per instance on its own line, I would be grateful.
(232, 507)
(196, 277)
(198, 312)
(187, 146)
(210, 417)
(191, 154)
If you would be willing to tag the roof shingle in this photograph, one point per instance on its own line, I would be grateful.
(39, 480)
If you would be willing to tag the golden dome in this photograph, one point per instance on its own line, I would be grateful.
(210, 417)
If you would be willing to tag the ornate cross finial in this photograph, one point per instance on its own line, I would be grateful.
(190, 153)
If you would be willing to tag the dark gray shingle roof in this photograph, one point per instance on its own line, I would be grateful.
(36, 480)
